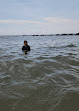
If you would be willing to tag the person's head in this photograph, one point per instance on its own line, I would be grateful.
(25, 42)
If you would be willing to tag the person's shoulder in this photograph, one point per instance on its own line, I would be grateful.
(28, 45)
(29, 48)
(23, 47)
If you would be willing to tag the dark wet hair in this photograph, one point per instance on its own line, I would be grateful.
(25, 41)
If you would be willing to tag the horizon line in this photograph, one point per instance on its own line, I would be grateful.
(41, 34)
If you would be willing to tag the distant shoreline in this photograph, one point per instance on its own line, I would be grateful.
(64, 34)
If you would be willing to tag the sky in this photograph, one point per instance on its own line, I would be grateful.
(19, 17)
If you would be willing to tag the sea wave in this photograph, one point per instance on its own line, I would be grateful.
(45, 79)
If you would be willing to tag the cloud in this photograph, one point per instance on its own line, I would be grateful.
(58, 20)
(47, 20)
(8, 21)
(45, 26)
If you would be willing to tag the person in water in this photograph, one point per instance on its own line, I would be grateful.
(26, 47)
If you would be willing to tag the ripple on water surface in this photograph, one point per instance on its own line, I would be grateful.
(44, 79)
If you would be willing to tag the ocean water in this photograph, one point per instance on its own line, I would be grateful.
(44, 79)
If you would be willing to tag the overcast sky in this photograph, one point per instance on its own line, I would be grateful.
(39, 16)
